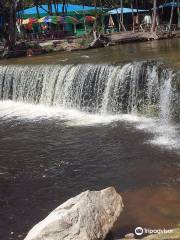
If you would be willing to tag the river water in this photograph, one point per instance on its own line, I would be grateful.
(88, 120)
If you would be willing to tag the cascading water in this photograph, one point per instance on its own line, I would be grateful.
(165, 99)
(104, 89)
(138, 88)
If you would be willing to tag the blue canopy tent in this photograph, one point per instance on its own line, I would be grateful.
(125, 11)
(170, 4)
(70, 8)
(165, 12)
(76, 11)
(112, 16)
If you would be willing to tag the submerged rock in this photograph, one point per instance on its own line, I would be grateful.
(88, 216)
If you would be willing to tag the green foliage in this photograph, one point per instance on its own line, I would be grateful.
(104, 3)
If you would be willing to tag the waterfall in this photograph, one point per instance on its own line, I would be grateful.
(165, 99)
(144, 88)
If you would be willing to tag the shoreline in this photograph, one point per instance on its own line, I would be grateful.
(37, 48)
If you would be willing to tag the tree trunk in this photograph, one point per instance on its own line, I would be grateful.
(132, 15)
(55, 7)
(64, 10)
(178, 12)
(36, 3)
(12, 26)
(95, 22)
(137, 7)
(171, 18)
(153, 29)
(122, 17)
(84, 15)
(119, 20)
(49, 7)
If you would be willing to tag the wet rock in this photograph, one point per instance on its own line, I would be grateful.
(97, 43)
(88, 216)
(129, 236)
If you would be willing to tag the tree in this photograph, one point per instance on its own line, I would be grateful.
(9, 11)
(172, 12)
(154, 16)
(178, 12)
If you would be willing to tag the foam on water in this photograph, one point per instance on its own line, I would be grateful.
(162, 135)
(23, 111)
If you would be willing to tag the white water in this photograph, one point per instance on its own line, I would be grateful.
(163, 135)
(93, 94)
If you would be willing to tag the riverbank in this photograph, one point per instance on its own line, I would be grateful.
(35, 48)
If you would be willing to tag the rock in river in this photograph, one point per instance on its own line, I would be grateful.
(88, 216)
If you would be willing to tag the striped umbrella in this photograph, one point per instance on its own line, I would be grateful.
(90, 19)
(29, 21)
(51, 19)
(41, 20)
(72, 20)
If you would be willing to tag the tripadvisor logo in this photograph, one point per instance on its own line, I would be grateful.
(140, 231)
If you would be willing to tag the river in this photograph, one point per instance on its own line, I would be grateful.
(88, 120)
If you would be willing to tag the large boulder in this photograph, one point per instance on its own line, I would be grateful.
(88, 216)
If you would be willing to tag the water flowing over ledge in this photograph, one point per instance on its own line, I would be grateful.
(146, 93)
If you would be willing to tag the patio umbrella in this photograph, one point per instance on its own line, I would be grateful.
(56, 19)
(29, 21)
(71, 20)
(51, 19)
(60, 19)
(48, 19)
(90, 19)
(41, 20)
